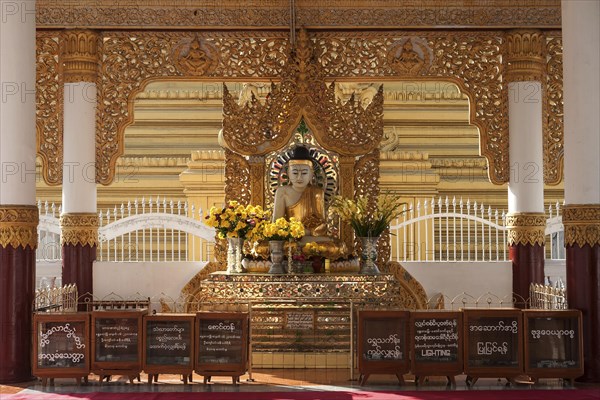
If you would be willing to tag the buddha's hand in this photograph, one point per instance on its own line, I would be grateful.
(320, 230)
(314, 226)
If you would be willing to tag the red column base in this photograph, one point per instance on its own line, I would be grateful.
(17, 292)
(528, 267)
(77, 268)
(583, 293)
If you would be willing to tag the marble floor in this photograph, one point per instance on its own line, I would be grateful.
(263, 380)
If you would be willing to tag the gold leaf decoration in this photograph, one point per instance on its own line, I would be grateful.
(79, 229)
(163, 14)
(582, 224)
(18, 226)
(49, 106)
(526, 228)
(553, 114)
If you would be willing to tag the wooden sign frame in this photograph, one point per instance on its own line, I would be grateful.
(475, 372)
(396, 367)
(70, 372)
(105, 369)
(153, 370)
(235, 370)
(568, 373)
(449, 369)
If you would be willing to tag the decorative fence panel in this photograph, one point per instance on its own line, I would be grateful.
(146, 230)
(444, 230)
(438, 230)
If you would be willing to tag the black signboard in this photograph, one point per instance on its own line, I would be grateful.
(221, 344)
(436, 338)
(168, 340)
(382, 343)
(117, 341)
(553, 343)
(61, 345)
(493, 342)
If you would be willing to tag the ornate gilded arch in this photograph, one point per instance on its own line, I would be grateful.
(130, 59)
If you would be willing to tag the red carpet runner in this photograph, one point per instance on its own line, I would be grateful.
(575, 394)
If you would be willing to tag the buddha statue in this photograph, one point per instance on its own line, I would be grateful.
(306, 202)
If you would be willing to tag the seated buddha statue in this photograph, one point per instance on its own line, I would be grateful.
(306, 202)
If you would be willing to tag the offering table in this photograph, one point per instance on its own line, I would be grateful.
(299, 320)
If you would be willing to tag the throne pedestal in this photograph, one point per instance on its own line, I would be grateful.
(303, 320)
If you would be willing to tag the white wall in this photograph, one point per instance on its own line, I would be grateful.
(46, 272)
(453, 278)
(148, 279)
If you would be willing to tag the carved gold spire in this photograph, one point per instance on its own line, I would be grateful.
(80, 56)
(18, 226)
(526, 228)
(582, 224)
(346, 128)
(525, 55)
(79, 228)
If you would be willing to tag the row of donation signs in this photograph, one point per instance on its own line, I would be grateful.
(478, 342)
(127, 342)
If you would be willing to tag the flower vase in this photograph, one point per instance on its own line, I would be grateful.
(234, 255)
(317, 264)
(276, 250)
(368, 257)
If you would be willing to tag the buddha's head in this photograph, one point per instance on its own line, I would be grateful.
(300, 168)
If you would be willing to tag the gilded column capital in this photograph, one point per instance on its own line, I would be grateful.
(526, 228)
(80, 55)
(18, 226)
(582, 224)
(79, 228)
(525, 56)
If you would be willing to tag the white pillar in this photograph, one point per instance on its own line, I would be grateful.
(581, 95)
(17, 102)
(526, 155)
(79, 170)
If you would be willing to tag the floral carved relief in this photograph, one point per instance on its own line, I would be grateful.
(582, 224)
(18, 226)
(526, 228)
(553, 113)
(132, 59)
(129, 60)
(473, 61)
(49, 106)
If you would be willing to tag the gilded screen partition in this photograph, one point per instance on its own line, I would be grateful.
(254, 131)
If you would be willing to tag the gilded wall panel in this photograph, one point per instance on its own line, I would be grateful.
(131, 59)
(553, 113)
(49, 106)
(472, 60)
(209, 14)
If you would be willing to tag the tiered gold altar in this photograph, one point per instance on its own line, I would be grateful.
(303, 312)
(303, 320)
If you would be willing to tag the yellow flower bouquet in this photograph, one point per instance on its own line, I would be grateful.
(236, 220)
(368, 220)
(281, 229)
(314, 249)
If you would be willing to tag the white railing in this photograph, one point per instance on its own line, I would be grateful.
(153, 230)
(48, 230)
(158, 230)
(450, 230)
